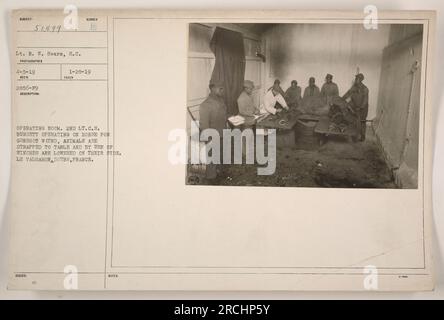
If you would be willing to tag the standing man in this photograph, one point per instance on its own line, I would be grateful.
(213, 115)
(245, 103)
(293, 95)
(329, 90)
(312, 90)
(312, 97)
(358, 95)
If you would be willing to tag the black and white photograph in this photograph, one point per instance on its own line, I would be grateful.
(331, 105)
(280, 153)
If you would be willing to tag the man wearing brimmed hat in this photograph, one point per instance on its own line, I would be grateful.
(358, 95)
(245, 103)
(329, 90)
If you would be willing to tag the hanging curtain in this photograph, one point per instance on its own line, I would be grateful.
(228, 48)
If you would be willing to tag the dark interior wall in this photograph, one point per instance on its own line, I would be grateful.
(299, 51)
(397, 121)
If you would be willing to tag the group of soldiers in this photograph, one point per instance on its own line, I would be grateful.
(214, 112)
(315, 99)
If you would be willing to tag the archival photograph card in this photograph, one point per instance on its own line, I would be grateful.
(221, 150)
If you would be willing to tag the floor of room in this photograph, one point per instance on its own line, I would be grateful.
(338, 163)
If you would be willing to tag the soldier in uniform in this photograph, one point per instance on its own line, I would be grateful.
(311, 101)
(312, 90)
(245, 103)
(358, 95)
(213, 115)
(293, 95)
(329, 90)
